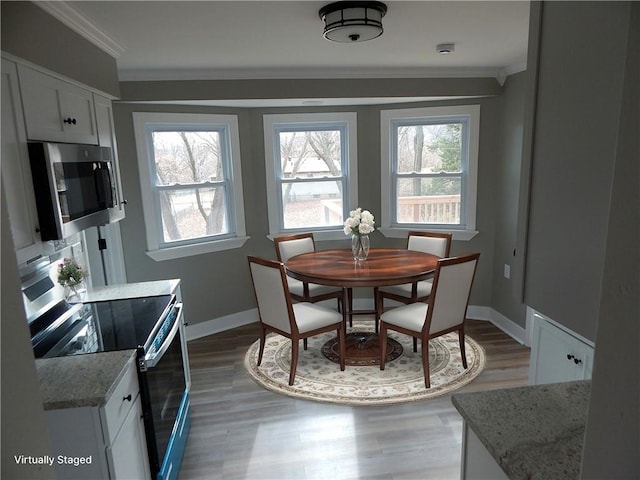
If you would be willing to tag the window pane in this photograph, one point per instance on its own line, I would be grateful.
(429, 200)
(192, 213)
(187, 157)
(310, 154)
(429, 148)
(312, 204)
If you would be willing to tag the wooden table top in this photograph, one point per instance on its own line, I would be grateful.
(385, 266)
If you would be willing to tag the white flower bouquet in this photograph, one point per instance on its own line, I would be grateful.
(360, 222)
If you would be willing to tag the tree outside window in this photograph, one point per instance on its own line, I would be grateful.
(311, 178)
(429, 169)
(191, 182)
(429, 173)
(190, 178)
(311, 159)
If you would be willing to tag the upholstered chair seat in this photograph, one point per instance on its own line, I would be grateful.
(296, 288)
(423, 289)
(312, 317)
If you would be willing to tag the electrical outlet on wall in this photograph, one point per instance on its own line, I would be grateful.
(507, 271)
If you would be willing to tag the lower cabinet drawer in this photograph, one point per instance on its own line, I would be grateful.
(123, 398)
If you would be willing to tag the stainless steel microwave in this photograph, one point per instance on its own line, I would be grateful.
(74, 187)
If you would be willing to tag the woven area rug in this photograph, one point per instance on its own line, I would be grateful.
(319, 378)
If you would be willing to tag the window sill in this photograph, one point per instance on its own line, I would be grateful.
(318, 235)
(172, 253)
(395, 232)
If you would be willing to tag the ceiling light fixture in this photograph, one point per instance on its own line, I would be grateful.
(445, 48)
(350, 22)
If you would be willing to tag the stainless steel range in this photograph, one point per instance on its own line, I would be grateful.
(149, 325)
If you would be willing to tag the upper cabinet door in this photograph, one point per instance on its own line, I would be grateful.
(16, 174)
(55, 110)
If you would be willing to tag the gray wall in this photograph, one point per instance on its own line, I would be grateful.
(612, 445)
(218, 284)
(580, 76)
(506, 298)
(32, 34)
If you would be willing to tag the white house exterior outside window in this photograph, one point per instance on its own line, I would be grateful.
(190, 180)
(429, 170)
(311, 172)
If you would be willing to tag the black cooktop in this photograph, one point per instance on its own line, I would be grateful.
(97, 326)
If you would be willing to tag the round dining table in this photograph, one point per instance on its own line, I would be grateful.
(383, 267)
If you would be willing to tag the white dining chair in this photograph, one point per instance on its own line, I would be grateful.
(288, 246)
(445, 311)
(435, 243)
(279, 314)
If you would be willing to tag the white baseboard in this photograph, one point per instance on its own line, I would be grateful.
(509, 327)
(217, 325)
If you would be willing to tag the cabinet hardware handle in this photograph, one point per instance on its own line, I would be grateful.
(575, 359)
(124, 202)
(127, 398)
(70, 121)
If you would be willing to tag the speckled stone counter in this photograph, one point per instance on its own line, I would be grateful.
(131, 290)
(533, 432)
(81, 380)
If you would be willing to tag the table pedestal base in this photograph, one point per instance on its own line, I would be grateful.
(362, 349)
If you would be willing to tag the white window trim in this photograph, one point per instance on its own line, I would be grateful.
(386, 119)
(270, 122)
(155, 251)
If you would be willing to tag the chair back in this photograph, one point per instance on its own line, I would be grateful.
(291, 245)
(450, 293)
(272, 295)
(430, 242)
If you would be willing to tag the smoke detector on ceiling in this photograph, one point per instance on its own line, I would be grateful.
(445, 48)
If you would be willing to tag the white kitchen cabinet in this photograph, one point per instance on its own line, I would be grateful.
(477, 462)
(55, 110)
(16, 173)
(105, 441)
(127, 454)
(558, 354)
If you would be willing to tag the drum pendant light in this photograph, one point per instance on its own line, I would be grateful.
(350, 22)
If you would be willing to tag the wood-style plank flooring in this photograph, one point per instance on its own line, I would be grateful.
(241, 431)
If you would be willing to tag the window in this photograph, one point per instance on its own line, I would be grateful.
(311, 172)
(429, 169)
(191, 183)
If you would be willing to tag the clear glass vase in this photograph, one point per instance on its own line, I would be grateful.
(74, 292)
(360, 247)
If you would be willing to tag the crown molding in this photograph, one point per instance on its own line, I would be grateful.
(81, 25)
(503, 73)
(301, 73)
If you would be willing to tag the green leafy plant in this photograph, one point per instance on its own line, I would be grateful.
(70, 273)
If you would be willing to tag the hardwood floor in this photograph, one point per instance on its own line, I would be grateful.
(241, 431)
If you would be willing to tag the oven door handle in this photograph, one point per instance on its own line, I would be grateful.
(152, 358)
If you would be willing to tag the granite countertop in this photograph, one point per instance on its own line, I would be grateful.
(131, 290)
(533, 432)
(86, 380)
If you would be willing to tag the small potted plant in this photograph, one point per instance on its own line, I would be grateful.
(72, 277)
